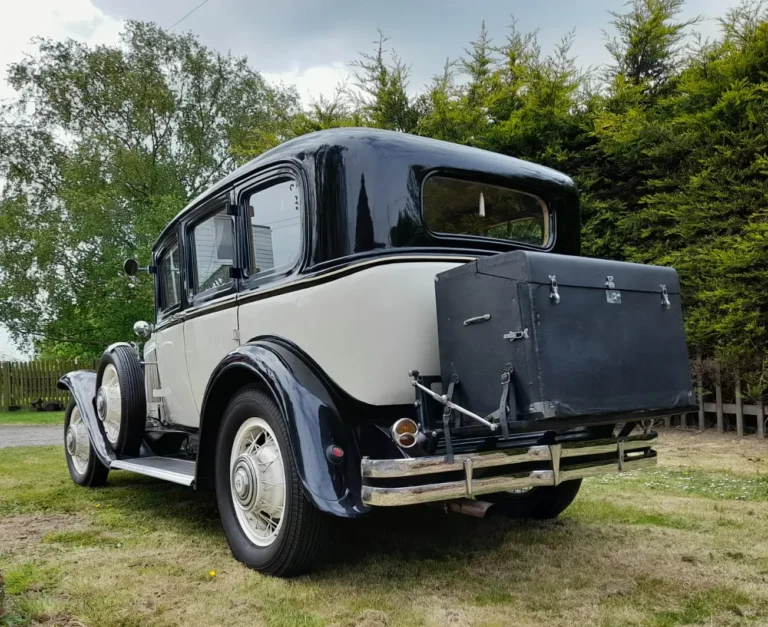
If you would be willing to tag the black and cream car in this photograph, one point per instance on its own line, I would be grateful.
(361, 319)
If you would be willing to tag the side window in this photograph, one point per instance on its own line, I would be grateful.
(275, 219)
(213, 248)
(168, 275)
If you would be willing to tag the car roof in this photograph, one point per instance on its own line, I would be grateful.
(384, 146)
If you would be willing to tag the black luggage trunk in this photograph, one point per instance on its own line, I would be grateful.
(583, 337)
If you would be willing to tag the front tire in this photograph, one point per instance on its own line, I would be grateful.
(541, 503)
(84, 467)
(269, 523)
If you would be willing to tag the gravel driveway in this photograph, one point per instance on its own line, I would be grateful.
(30, 435)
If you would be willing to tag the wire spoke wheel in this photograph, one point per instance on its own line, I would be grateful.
(109, 404)
(257, 481)
(77, 442)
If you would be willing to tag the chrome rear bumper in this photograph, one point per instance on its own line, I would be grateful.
(545, 465)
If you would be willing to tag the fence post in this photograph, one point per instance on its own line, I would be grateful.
(739, 407)
(760, 419)
(6, 385)
(700, 391)
(719, 398)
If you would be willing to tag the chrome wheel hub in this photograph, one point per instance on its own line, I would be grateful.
(257, 481)
(77, 442)
(71, 441)
(245, 482)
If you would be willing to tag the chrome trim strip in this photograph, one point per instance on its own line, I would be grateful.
(158, 473)
(381, 496)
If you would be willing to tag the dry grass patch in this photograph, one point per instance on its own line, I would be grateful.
(647, 550)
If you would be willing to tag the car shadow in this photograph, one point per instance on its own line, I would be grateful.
(405, 534)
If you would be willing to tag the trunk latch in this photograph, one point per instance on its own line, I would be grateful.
(612, 296)
(665, 297)
(554, 295)
(516, 335)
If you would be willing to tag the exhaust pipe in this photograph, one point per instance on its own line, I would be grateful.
(470, 507)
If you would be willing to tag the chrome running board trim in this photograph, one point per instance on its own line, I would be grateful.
(181, 471)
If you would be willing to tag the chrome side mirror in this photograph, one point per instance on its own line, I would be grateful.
(143, 329)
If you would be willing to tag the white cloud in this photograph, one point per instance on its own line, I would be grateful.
(57, 19)
(312, 82)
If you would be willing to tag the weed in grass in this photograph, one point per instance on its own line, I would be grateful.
(494, 598)
(29, 576)
(705, 606)
(88, 537)
(604, 511)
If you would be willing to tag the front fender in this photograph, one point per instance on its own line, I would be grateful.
(82, 385)
(314, 416)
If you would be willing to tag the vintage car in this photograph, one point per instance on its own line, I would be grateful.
(359, 319)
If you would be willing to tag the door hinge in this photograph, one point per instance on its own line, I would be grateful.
(516, 335)
(236, 273)
(233, 209)
(236, 335)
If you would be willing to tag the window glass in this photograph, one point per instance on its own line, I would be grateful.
(168, 273)
(460, 207)
(275, 226)
(213, 243)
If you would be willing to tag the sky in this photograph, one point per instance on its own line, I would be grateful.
(310, 43)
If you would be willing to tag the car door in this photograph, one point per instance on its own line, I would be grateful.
(271, 205)
(174, 393)
(210, 321)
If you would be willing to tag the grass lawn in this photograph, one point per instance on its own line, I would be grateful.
(32, 418)
(686, 544)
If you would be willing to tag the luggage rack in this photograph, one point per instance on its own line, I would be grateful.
(495, 421)
(502, 424)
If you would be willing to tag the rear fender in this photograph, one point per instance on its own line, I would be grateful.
(313, 412)
(82, 385)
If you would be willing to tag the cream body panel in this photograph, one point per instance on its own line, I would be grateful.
(208, 339)
(366, 330)
(174, 379)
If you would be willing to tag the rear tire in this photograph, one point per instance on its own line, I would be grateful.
(269, 523)
(121, 401)
(537, 503)
(84, 467)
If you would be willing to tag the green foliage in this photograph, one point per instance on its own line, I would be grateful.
(668, 146)
(101, 148)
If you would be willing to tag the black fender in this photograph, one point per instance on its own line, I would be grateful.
(314, 413)
(82, 385)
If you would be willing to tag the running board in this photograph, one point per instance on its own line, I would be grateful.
(174, 470)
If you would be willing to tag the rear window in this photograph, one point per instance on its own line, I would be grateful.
(459, 207)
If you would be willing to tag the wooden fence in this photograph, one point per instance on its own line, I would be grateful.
(25, 383)
(721, 404)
